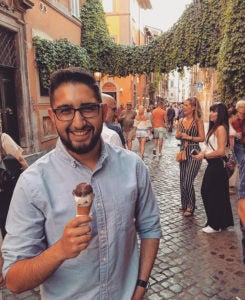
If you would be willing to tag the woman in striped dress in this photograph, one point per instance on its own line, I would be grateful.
(190, 131)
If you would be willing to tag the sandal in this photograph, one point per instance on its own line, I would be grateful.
(188, 213)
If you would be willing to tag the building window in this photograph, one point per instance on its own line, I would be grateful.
(108, 5)
(75, 8)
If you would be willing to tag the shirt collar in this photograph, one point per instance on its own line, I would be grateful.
(65, 155)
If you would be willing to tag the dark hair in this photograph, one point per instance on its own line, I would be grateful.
(74, 75)
(222, 119)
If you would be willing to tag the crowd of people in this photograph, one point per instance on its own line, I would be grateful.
(226, 130)
(53, 247)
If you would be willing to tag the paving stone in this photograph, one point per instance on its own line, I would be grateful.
(176, 288)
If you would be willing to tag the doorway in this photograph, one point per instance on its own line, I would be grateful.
(8, 106)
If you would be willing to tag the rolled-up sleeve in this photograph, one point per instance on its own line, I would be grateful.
(147, 212)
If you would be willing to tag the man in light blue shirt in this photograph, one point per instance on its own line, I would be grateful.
(81, 257)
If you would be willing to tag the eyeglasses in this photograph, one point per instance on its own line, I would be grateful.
(87, 111)
(114, 109)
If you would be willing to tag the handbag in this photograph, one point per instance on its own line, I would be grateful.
(229, 162)
(181, 155)
(10, 170)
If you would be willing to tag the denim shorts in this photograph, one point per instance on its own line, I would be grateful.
(142, 133)
(159, 132)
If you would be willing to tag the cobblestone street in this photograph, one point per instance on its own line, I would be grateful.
(190, 264)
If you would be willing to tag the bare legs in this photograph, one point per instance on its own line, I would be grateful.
(158, 143)
(142, 141)
(129, 144)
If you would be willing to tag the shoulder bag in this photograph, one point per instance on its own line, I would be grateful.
(181, 155)
(229, 160)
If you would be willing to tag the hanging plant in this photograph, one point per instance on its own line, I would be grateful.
(53, 55)
(209, 33)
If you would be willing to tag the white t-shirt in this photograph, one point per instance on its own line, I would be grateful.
(111, 136)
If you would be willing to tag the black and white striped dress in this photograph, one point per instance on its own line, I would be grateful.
(189, 169)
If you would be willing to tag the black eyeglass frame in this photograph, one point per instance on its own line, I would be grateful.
(80, 109)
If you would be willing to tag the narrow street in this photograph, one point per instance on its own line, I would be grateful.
(190, 265)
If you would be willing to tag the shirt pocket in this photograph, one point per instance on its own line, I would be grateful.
(124, 208)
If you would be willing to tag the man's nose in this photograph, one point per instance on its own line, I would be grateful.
(78, 117)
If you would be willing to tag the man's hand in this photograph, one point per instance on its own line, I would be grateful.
(76, 237)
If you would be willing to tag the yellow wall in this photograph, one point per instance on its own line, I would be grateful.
(121, 26)
(113, 26)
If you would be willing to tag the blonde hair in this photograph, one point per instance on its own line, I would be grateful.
(197, 113)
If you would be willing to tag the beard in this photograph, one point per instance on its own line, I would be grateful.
(81, 148)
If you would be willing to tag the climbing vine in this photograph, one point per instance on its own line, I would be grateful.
(210, 33)
(53, 55)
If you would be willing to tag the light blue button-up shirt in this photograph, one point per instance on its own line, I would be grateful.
(124, 205)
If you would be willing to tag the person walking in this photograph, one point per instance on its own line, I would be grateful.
(171, 116)
(159, 118)
(127, 117)
(81, 257)
(8, 146)
(181, 113)
(215, 185)
(142, 125)
(190, 130)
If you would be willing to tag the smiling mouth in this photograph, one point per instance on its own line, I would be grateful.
(80, 133)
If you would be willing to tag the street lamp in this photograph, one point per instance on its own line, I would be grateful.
(97, 77)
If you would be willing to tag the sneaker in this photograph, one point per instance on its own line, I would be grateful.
(160, 155)
(154, 152)
(209, 229)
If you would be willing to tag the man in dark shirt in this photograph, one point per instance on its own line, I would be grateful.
(170, 115)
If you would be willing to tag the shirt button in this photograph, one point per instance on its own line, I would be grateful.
(102, 232)
(103, 285)
(104, 258)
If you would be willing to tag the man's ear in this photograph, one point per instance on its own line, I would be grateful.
(51, 114)
(104, 111)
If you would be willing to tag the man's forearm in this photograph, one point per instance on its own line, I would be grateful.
(148, 252)
(34, 271)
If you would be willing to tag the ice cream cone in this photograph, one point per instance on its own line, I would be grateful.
(84, 198)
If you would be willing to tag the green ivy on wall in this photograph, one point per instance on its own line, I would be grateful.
(209, 33)
(53, 55)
